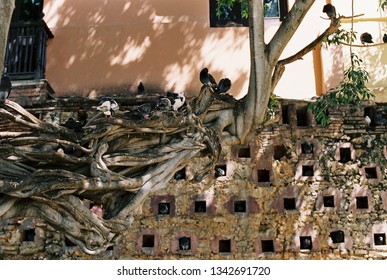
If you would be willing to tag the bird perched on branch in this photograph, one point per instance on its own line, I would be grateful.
(366, 38)
(5, 86)
(207, 79)
(108, 106)
(330, 10)
(385, 38)
(224, 86)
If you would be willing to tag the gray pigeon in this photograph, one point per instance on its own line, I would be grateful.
(330, 10)
(5, 86)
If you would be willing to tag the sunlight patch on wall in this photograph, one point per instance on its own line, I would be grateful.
(131, 52)
(177, 77)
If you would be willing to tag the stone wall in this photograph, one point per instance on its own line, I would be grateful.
(298, 191)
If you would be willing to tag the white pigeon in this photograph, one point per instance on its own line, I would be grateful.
(367, 119)
(178, 101)
(105, 108)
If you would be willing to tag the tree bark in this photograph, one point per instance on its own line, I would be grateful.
(6, 10)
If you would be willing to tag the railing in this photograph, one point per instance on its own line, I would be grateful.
(25, 56)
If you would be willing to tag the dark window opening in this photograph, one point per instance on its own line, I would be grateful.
(220, 170)
(69, 243)
(280, 152)
(345, 155)
(285, 114)
(307, 148)
(337, 236)
(28, 235)
(329, 201)
(240, 206)
(164, 208)
(267, 246)
(180, 174)
(110, 248)
(244, 152)
(201, 206)
(185, 243)
(362, 202)
(302, 116)
(379, 238)
(232, 17)
(290, 203)
(263, 175)
(371, 173)
(225, 246)
(306, 243)
(307, 170)
(148, 241)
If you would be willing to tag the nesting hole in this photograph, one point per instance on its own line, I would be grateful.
(225, 246)
(371, 173)
(180, 174)
(263, 175)
(307, 148)
(306, 243)
(164, 208)
(280, 151)
(267, 246)
(28, 235)
(244, 152)
(307, 170)
(302, 116)
(69, 243)
(220, 170)
(362, 202)
(345, 155)
(200, 206)
(329, 201)
(337, 236)
(380, 239)
(290, 203)
(184, 243)
(240, 206)
(148, 241)
(285, 114)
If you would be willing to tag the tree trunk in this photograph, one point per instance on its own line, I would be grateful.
(7, 7)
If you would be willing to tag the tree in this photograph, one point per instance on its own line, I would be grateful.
(50, 171)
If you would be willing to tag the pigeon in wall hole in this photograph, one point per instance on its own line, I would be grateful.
(385, 38)
(367, 120)
(366, 38)
(184, 243)
(330, 10)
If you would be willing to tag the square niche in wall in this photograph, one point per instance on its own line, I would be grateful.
(306, 243)
(329, 201)
(200, 206)
(148, 241)
(345, 155)
(337, 236)
(267, 246)
(290, 203)
(362, 202)
(263, 176)
(225, 246)
(379, 239)
(307, 170)
(164, 208)
(240, 206)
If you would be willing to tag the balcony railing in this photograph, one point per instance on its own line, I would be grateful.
(25, 56)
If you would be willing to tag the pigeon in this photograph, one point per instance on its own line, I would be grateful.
(379, 119)
(164, 104)
(330, 10)
(141, 112)
(5, 87)
(140, 88)
(366, 38)
(207, 79)
(163, 209)
(74, 125)
(367, 120)
(385, 38)
(178, 100)
(184, 243)
(108, 106)
(224, 86)
(219, 172)
(307, 148)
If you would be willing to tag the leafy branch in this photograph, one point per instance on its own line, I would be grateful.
(351, 90)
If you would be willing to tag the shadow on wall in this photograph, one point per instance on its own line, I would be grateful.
(103, 47)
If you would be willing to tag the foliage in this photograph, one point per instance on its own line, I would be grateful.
(341, 36)
(351, 90)
(383, 4)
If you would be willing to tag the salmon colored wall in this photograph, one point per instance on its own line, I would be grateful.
(109, 46)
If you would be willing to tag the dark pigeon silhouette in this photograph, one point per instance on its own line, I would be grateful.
(385, 38)
(207, 79)
(5, 87)
(77, 126)
(307, 148)
(164, 104)
(379, 119)
(366, 38)
(140, 88)
(141, 112)
(224, 85)
(330, 10)
(163, 209)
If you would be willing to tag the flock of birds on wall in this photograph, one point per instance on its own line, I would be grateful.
(365, 38)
